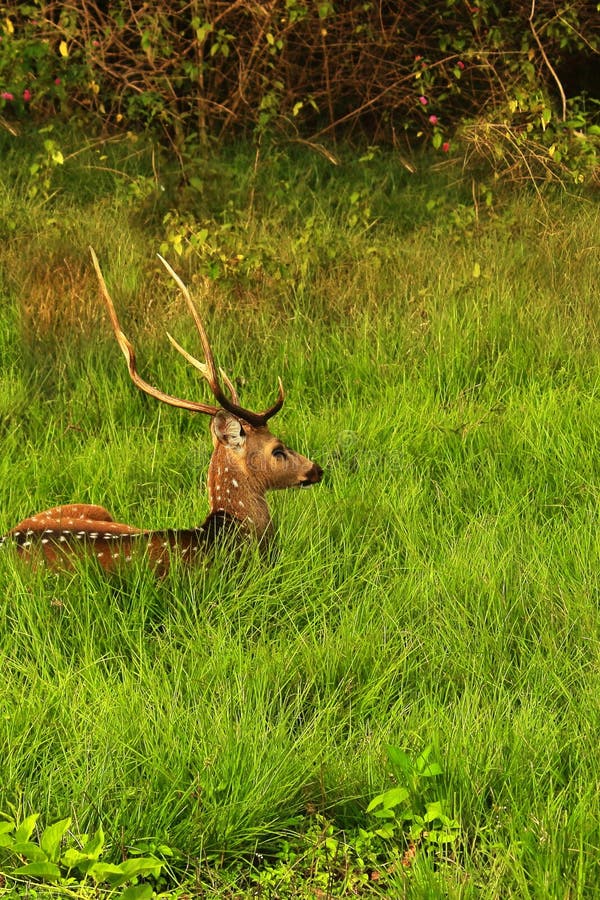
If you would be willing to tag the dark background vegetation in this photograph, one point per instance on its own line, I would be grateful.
(515, 84)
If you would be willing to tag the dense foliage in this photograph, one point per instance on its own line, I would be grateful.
(512, 81)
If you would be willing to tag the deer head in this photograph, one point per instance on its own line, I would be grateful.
(247, 460)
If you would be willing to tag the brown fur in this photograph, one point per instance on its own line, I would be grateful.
(247, 461)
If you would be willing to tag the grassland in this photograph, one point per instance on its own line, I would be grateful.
(439, 589)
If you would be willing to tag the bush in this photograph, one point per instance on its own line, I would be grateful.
(313, 69)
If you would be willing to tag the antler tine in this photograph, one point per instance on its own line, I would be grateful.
(209, 370)
(229, 385)
(129, 354)
(203, 368)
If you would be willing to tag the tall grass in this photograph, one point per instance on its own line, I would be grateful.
(439, 587)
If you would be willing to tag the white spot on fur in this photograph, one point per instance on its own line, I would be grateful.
(234, 482)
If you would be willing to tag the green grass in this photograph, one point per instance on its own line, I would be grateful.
(440, 587)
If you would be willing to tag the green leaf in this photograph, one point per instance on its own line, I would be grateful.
(125, 871)
(389, 799)
(441, 836)
(399, 759)
(384, 814)
(102, 871)
(95, 845)
(76, 859)
(386, 832)
(436, 140)
(141, 865)
(137, 892)
(203, 31)
(201, 236)
(421, 760)
(51, 838)
(25, 829)
(46, 870)
(434, 810)
(6, 827)
(30, 851)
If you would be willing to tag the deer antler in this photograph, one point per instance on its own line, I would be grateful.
(208, 368)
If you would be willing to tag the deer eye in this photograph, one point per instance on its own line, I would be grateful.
(279, 453)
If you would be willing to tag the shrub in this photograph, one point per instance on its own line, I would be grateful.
(313, 69)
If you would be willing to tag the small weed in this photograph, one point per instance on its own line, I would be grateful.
(403, 811)
(69, 861)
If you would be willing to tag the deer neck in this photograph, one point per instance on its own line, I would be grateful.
(230, 490)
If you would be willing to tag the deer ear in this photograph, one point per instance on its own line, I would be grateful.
(228, 430)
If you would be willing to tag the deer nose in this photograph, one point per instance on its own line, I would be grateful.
(313, 476)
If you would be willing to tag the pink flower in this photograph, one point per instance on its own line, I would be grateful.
(6, 95)
(460, 64)
(433, 120)
(26, 95)
(445, 146)
(423, 100)
(57, 81)
(418, 58)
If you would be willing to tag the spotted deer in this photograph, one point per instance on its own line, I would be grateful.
(247, 461)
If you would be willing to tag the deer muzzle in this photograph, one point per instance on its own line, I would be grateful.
(313, 476)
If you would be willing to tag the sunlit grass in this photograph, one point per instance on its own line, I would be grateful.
(439, 587)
